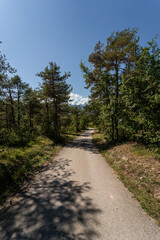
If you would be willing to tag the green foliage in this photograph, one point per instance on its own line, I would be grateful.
(57, 91)
(140, 89)
(125, 88)
(17, 163)
(138, 172)
(26, 113)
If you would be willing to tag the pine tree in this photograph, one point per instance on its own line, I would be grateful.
(57, 90)
(104, 80)
(19, 90)
(119, 55)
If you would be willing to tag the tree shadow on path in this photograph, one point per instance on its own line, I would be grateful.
(52, 207)
(84, 142)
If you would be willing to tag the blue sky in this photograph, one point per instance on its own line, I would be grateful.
(35, 32)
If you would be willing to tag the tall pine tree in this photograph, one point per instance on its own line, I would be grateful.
(57, 90)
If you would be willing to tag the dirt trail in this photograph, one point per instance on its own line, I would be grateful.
(77, 197)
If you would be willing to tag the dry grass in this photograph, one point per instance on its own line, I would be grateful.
(139, 170)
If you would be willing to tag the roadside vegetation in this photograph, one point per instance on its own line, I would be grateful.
(18, 164)
(34, 123)
(124, 82)
(139, 169)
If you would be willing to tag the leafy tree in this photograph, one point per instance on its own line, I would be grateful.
(104, 80)
(141, 95)
(124, 82)
(32, 107)
(76, 112)
(5, 69)
(19, 90)
(57, 90)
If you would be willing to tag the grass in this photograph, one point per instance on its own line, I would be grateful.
(17, 164)
(138, 168)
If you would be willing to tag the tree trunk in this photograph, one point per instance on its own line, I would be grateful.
(55, 119)
(30, 116)
(18, 101)
(55, 112)
(47, 115)
(6, 113)
(116, 104)
(112, 128)
(77, 123)
(12, 108)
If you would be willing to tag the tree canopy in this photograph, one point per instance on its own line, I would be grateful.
(124, 80)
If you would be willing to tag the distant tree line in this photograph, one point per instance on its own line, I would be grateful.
(124, 81)
(26, 112)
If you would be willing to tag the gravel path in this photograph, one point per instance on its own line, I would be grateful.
(77, 197)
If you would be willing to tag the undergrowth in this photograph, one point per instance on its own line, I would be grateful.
(17, 164)
(138, 168)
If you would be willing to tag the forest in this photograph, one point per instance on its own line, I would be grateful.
(124, 82)
(26, 113)
(123, 78)
(34, 123)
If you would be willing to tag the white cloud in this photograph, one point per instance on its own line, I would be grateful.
(76, 99)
